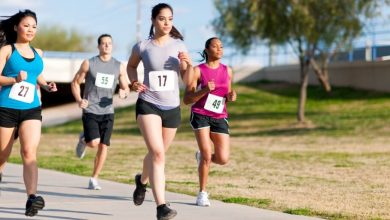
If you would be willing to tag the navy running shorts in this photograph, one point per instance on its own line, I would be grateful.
(216, 125)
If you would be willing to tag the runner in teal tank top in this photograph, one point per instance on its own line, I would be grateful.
(20, 108)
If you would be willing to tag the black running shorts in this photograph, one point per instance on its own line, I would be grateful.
(216, 125)
(170, 118)
(98, 126)
(11, 118)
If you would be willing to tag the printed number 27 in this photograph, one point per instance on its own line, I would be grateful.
(23, 91)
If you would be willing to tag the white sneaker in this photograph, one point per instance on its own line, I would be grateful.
(198, 157)
(93, 184)
(81, 146)
(203, 199)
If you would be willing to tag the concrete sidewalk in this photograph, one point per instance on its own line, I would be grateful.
(67, 197)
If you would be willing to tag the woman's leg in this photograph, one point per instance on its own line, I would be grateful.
(221, 148)
(157, 140)
(205, 147)
(6, 142)
(29, 135)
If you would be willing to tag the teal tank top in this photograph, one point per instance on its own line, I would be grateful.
(22, 95)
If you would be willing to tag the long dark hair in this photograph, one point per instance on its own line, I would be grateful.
(7, 33)
(155, 11)
(203, 54)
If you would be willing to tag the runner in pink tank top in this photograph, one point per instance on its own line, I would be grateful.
(210, 90)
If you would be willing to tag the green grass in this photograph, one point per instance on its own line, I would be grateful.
(262, 110)
(263, 203)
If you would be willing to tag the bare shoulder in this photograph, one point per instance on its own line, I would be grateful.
(6, 50)
(230, 71)
(39, 51)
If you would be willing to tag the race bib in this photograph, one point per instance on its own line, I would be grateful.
(23, 91)
(214, 103)
(161, 80)
(104, 80)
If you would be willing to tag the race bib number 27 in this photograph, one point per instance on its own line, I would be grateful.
(23, 91)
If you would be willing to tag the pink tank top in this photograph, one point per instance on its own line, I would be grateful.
(221, 78)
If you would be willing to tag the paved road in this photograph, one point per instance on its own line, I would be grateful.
(67, 197)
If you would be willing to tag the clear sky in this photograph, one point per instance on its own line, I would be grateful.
(118, 18)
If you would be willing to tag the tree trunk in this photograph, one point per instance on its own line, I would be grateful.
(322, 74)
(303, 90)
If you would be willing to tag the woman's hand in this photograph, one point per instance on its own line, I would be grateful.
(21, 76)
(138, 87)
(232, 96)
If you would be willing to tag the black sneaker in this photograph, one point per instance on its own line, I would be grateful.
(139, 192)
(165, 213)
(33, 204)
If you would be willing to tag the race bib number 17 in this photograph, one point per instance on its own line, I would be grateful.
(214, 103)
(161, 80)
(23, 91)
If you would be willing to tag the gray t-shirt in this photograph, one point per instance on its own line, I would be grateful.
(100, 84)
(161, 71)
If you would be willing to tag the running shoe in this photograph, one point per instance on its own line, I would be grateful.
(81, 146)
(203, 199)
(165, 213)
(93, 184)
(139, 192)
(33, 204)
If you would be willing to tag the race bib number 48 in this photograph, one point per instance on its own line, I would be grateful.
(214, 103)
(104, 80)
(23, 91)
(161, 80)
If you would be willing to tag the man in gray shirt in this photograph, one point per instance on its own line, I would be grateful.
(101, 74)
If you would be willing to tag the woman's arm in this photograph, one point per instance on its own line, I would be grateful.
(132, 65)
(232, 95)
(191, 95)
(5, 53)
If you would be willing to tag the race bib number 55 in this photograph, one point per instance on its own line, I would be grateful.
(214, 103)
(104, 80)
(161, 80)
(23, 91)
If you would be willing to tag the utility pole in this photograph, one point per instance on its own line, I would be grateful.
(138, 21)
